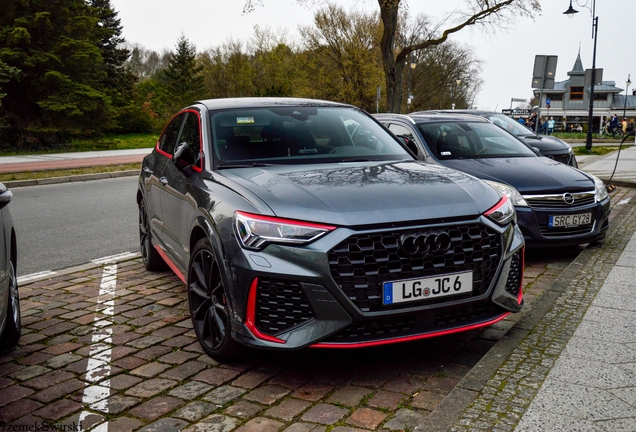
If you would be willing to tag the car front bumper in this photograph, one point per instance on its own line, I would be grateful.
(534, 225)
(328, 294)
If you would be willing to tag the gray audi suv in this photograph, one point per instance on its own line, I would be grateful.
(299, 223)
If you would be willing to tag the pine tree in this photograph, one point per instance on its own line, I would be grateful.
(59, 90)
(182, 79)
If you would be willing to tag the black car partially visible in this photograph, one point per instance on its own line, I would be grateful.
(299, 223)
(549, 146)
(10, 326)
(557, 205)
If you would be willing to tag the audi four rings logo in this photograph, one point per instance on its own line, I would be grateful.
(568, 198)
(423, 243)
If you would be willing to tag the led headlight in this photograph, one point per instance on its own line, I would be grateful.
(257, 231)
(502, 212)
(600, 189)
(510, 192)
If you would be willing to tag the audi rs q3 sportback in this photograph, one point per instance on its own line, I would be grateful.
(557, 205)
(298, 223)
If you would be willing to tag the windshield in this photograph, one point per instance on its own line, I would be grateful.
(293, 135)
(509, 124)
(471, 140)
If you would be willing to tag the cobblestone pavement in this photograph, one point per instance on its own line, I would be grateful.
(111, 347)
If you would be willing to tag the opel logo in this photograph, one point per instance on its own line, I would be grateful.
(568, 198)
(413, 244)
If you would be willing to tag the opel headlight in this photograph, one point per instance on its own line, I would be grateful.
(600, 189)
(510, 192)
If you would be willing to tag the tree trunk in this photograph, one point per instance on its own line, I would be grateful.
(392, 71)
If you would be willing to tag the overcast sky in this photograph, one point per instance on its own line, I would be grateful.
(508, 56)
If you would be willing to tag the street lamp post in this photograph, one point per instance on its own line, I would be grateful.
(626, 92)
(412, 66)
(570, 13)
(453, 89)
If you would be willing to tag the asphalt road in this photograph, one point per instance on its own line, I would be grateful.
(68, 224)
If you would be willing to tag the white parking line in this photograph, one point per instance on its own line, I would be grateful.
(99, 357)
(115, 258)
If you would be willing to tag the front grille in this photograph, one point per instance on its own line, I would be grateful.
(362, 263)
(416, 324)
(564, 158)
(514, 275)
(556, 200)
(280, 305)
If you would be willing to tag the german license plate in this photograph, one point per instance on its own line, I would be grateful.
(430, 287)
(568, 221)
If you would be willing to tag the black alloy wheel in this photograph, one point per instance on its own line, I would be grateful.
(209, 305)
(12, 327)
(151, 258)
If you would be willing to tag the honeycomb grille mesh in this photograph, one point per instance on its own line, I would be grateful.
(362, 263)
(280, 305)
(514, 276)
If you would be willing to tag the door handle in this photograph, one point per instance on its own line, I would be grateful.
(163, 180)
(147, 170)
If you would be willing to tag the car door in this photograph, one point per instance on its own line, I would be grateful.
(177, 203)
(153, 181)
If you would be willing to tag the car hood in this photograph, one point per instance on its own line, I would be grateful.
(545, 143)
(529, 175)
(350, 194)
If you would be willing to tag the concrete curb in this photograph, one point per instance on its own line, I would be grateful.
(69, 179)
(78, 268)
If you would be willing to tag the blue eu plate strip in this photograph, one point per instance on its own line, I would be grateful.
(388, 293)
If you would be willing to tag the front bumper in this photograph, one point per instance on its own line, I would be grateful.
(328, 294)
(533, 222)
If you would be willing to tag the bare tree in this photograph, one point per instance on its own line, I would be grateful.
(489, 14)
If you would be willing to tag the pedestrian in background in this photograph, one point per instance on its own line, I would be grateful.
(613, 123)
(624, 125)
(551, 125)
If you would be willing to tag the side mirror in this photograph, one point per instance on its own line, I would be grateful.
(182, 156)
(5, 196)
(536, 150)
(410, 144)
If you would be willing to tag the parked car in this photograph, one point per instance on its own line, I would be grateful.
(557, 205)
(548, 146)
(298, 223)
(10, 325)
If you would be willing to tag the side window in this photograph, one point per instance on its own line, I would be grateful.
(191, 135)
(402, 131)
(168, 140)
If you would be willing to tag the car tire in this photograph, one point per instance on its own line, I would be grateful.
(13, 327)
(209, 305)
(151, 258)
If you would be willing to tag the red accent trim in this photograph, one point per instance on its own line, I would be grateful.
(169, 156)
(497, 206)
(172, 265)
(410, 338)
(523, 262)
(287, 221)
(250, 316)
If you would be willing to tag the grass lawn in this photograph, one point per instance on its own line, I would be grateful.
(34, 175)
(109, 142)
(596, 150)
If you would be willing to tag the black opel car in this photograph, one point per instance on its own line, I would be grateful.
(557, 205)
(549, 146)
(298, 223)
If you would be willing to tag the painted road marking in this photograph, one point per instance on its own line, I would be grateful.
(116, 258)
(623, 202)
(34, 276)
(99, 357)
